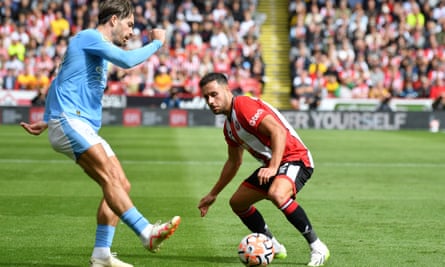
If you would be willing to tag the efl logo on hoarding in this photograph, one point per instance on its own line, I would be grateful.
(178, 118)
(36, 114)
(132, 117)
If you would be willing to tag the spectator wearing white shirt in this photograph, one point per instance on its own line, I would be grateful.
(193, 15)
(439, 11)
(219, 38)
(247, 25)
(219, 12)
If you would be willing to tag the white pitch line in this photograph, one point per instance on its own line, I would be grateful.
(188, 162)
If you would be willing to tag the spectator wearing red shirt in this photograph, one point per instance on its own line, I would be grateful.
(221, 63)
(437, 89)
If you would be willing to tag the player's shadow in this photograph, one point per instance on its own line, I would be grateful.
(218, 260)
(198, 259)
(27, 264)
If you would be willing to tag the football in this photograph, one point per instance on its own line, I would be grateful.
(256, 249)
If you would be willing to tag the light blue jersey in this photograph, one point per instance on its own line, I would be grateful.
(78, 88)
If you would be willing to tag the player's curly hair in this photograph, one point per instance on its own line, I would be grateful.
(121, 8)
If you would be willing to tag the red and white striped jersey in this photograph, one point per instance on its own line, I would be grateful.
(242, 130)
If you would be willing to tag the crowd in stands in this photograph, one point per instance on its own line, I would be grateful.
(379, 49)
(339, 48)
(202, 36)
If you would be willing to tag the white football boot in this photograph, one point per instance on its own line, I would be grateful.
(319, 254)
(279, 249)
(160, 232)
(111, 261)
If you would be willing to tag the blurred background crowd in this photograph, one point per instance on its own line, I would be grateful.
(202, 36)
(366, 49)
(339, 48)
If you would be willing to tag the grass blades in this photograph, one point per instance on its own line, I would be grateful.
(376, 199)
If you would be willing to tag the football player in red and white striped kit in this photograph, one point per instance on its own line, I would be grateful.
(253, 125)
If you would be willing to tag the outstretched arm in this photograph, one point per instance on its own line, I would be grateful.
(125, 58)
(228, 172)
(35, 128)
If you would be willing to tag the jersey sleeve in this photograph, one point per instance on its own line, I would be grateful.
(97, 45)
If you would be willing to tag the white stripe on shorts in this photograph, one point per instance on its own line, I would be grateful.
(292, 171)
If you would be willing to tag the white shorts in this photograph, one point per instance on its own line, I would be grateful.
(72, 137)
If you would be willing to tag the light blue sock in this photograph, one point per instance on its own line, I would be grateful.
(104, 236)
(134, 219)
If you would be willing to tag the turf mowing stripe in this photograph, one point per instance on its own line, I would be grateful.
(187, 162)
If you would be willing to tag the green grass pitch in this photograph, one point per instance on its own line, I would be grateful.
(376, 199)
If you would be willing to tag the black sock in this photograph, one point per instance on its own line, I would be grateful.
(298, 218)
(253, 219)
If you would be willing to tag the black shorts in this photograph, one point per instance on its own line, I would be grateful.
(295, 171)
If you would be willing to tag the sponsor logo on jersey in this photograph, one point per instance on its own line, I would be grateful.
(255, 117)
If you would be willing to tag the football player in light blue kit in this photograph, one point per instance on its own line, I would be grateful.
(73, 116)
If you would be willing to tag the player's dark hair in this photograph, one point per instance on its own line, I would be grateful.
(121, 8)
(220, 78)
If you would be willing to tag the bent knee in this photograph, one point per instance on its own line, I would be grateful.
(237, 204)
(278, 197)
(233, 202)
